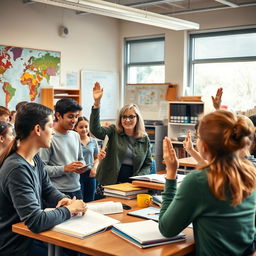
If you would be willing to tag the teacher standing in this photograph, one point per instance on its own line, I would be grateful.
(128, 150)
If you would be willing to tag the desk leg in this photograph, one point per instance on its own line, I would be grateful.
(57, 250)
(51, 249)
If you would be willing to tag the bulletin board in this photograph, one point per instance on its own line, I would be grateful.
(110, 101)
(151, 99)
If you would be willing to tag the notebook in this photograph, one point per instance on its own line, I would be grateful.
(83, 226)
(151, 213)
(144, 234)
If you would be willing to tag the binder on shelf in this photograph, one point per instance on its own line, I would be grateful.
(144, 234)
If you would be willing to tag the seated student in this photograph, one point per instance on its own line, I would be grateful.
(64, 158)
(220, 198)
(6, 135)
(5, 114)
(90, 153)
(24, 183)
(128, 150)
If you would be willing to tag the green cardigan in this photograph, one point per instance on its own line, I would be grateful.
(219, 228)
(108, 169)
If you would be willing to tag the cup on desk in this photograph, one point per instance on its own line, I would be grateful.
(144, 200)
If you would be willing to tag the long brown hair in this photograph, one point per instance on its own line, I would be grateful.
(231, 176)
(27, 118)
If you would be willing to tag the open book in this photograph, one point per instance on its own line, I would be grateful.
(108, 207)
(159, 178)
(144, 233)
(83, 226)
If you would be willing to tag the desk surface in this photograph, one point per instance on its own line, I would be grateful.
(187, 162)
(107, 243)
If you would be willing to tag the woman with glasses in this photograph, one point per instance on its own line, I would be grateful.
(128, 149)
(219, 198)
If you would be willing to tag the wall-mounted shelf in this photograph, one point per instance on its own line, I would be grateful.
(49, 96)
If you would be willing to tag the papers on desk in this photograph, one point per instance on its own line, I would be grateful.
(83, 226)
(143, 234)
(151, 213)
(159, 178)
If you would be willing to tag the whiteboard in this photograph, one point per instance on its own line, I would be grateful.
(110, 100)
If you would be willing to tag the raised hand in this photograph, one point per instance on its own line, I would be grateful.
(170, 158)
(216, 101)
(187, 143)
(97, 94)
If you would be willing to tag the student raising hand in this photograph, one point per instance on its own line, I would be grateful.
(216, 101)
(170, 158)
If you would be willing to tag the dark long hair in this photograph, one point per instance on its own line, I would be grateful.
(27, 118)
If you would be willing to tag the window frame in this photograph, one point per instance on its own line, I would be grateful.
(192, 61)
(127, 65)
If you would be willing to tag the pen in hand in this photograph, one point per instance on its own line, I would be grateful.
(154, 213)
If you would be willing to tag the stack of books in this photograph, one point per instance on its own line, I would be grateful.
(144, 234)
(123, 190)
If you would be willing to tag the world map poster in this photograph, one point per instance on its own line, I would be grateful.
(24, 71)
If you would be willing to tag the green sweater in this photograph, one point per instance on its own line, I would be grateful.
(108, 169)
(219, 228)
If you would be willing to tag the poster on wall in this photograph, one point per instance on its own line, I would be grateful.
(24, 71)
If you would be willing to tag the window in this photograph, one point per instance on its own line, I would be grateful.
(144, 61)
(228, 60)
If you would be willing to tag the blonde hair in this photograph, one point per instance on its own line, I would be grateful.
(224, 135)
(139, 130)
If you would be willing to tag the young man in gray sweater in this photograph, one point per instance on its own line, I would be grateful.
(64, 159)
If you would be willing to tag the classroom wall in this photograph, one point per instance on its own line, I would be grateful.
(96, 42)
(92, 44)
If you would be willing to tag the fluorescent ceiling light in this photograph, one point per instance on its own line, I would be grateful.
(229, 3)
(123, 12)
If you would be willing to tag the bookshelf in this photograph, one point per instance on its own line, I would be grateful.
(156, 133)
(182, 117)
(49, 96)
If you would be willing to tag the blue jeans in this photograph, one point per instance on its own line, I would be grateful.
(77, 194)
(88, 186)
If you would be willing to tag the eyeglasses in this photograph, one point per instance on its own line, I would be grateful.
(130, 117)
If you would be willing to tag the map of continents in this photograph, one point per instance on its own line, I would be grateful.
(24, 71)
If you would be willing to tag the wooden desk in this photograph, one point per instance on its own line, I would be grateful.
(107, 243)
(187, 162)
